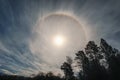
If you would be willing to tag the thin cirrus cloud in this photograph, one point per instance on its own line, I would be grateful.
(99, 18)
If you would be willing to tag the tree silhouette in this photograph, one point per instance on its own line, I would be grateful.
(112, 56)
(67, 68)
(99, 63)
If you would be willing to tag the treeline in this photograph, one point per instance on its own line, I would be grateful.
(94, 63)
(40, 76)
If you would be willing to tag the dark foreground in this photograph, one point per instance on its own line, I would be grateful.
(40, 77)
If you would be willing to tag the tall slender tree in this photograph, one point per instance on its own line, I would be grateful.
(67, 68)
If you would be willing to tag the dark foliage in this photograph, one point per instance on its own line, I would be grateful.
(67, 68)
(40, 76)
(99, 63)
(95, 63)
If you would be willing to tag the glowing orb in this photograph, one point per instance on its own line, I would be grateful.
(59, 40)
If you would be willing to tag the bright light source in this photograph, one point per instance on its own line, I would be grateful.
(58, 40)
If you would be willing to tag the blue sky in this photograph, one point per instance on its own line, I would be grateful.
(99, 18)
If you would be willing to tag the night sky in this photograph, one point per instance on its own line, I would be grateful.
(22, 51)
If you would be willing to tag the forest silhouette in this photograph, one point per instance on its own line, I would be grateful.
(96, 62)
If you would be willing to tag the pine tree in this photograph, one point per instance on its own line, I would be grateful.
(67, 68)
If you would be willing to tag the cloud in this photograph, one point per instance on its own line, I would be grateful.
(6, 71)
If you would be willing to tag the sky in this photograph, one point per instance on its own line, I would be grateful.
(23, 49)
